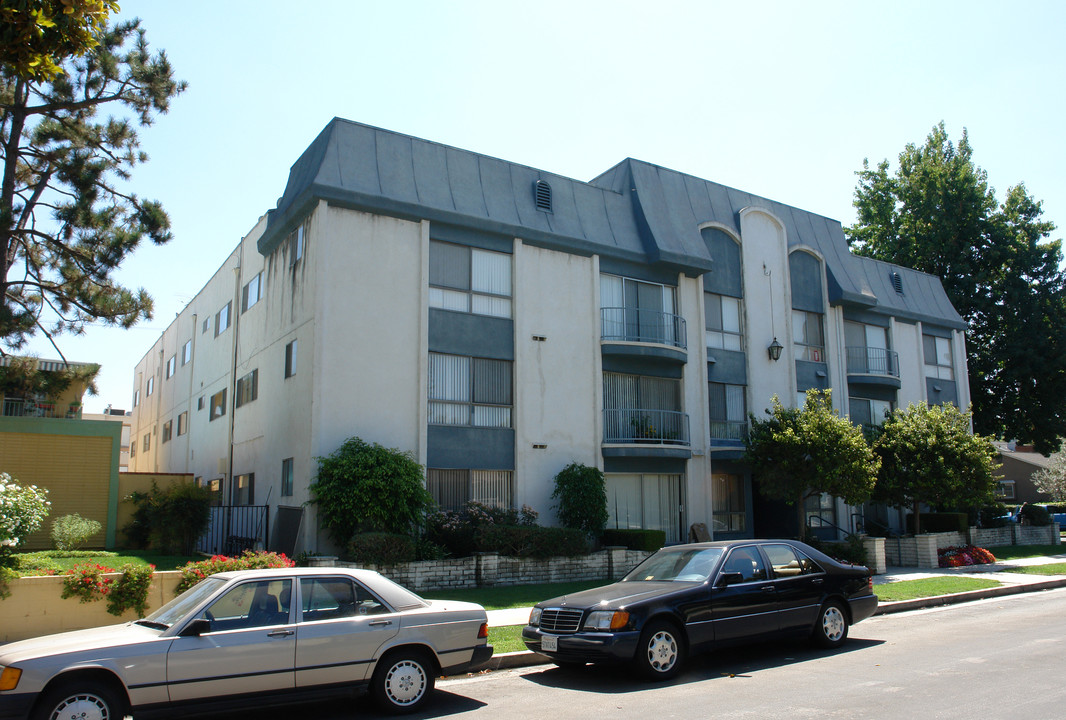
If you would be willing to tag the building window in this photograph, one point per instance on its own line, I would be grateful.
(638, 311)
(469, 391)
(723, 322)
(172, 366)
(206, 325)
(453, 489)
(136, 398)
(244, 489)
(1005, 490)
(218, 405)
(808, 335)
(186, 353)
(730, 506)
(183, 423)
(639, 408)
(201, 403)
(146, 442)
(469, 280)
(168, 430)
(290, 359)
(867, 412)
(868, 350)
(252, 292)
(296, 245)
(938, 358)
(729, 414)
(286, 477)
(222, 319)
(150, 386)
(821, 511)
(648, 502)
(247, 388)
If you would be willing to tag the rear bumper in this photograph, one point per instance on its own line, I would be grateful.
(862, 607)
(481, 655)
(594, 647)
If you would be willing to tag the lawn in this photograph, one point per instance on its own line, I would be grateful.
(517, 596)
(506, 639)
(1052, 569)
(930, 587)
(50, 562)
(1013, 552)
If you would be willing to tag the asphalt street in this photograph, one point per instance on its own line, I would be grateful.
(994, 658)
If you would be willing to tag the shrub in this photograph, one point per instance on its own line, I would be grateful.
(531, 541)
(646, 540)
(456, 530)
(1035, 515)
(170, 520)
(194, 572)
(22, 510)
(367, 487)
(87, 582)
(940, 522)
(70, 532)
(582, 498)
(993, 515)
(962, 556)
(850, 551)
(130, 591)
(378, 548)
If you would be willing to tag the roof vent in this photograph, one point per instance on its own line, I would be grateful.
(897, 282)
(542, 193)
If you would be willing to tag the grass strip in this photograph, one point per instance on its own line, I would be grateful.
(930, 587)
(506, 639)
(57, 562)
(1052, 569)
(1013, 552)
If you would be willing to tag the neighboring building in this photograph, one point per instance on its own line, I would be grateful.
(1014, 478)
(110, 415)
(500, 322)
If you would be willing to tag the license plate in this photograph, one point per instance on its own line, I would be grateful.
(549, 643)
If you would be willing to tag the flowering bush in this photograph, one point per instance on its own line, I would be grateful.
(457, 530)
(87, 582)
(962, 556)
(22, 510)
(194, 572)
(131, 590)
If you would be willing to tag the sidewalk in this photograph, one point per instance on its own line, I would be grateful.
(1012, 583)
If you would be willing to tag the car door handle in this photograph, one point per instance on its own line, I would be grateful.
(819, 581)
(769, 589)
(380, 623)
(280, 633)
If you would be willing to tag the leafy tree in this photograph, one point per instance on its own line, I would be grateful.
(582, 498)
(364, 487)
(928, 455)
(937, 214)
(67, 219)
(170, 520)
(35, 34)
(1052, 479)
(798, 453)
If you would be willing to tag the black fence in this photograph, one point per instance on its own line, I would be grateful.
(235, 528)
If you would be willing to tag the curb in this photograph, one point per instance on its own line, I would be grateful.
(528, 658)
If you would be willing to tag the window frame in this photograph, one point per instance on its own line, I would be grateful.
(183, 422)
(804, 349)
(288, 473)
(448, 411)
(223, 318)
(186, 353)
(291, 356)
(172, 366)
(247, 389)
(440, 289)
(721, 335)
(218, 400)
(252, 292)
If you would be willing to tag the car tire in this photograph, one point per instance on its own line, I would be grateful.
(87, 700)
(660, 651)
(403, 681)
(831, 627)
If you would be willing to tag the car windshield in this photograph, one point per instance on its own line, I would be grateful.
(681, 565)
(180, 606)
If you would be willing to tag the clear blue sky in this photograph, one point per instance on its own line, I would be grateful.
(781, 99)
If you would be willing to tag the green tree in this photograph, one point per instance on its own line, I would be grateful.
(928, 455)
(937, 214)
(37, 35)
(582, 498)
(798, 453)
(365, 487)
(1051, 480)
(67, 217)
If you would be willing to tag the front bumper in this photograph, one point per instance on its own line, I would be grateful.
(594, 647)
(16, 706)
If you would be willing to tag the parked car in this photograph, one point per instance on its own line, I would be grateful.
(247, 639)
(689, 598)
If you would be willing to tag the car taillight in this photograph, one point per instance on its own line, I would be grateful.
(483, 631)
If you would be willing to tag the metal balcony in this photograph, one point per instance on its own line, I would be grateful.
(648, 427)
(873, 361)
(627, 324)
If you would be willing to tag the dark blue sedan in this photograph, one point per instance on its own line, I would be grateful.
(690, 598)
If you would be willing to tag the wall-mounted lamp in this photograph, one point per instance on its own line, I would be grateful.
(774, 351)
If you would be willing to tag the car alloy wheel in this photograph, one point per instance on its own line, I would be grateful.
(659, 654)
(403, 682)
(832, 629)
(85, 702)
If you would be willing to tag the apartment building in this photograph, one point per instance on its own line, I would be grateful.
(500, 322)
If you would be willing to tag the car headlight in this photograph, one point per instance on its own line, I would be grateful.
(9, 677)
(534, 617)
(607, 620)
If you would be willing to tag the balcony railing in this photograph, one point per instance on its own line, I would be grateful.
(622, 324)
(653, 427)
(20, 407)
(873, 361)
(729, 429)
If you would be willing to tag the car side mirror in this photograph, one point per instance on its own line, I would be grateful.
(196, 628)
(729, 578)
